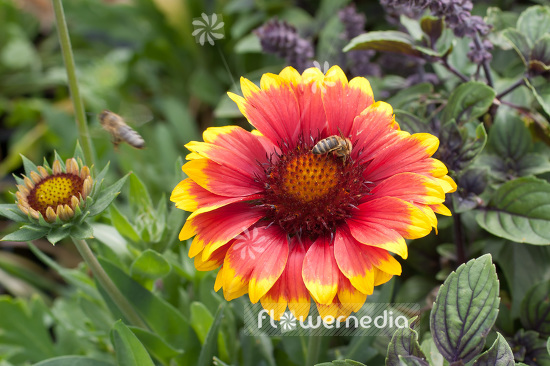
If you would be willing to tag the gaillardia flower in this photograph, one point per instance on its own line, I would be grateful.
(54, 195)
(286, 224)
(54, 202)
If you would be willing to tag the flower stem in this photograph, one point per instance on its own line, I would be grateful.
(459, 239)
(511, 88)
(449, 67)
(485, 63)
(108, 285)
(78, 105)
(313, 350)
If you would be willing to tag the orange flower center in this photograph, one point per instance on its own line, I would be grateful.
(308, 194)
(55, 190)
(309, 177)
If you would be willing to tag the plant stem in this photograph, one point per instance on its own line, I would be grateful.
(485, 63)
(78, 105)
(459, 239)
(449, 67)
(108, 285)
(511, 88)
(313, 350)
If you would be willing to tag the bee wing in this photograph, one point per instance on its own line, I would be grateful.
(135, 114)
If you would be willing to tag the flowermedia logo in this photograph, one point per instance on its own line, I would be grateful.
(371, 320)
(208, 28)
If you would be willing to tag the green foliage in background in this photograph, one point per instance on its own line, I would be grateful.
(483, 282)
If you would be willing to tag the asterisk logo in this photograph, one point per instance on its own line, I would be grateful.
(288, 322)
(250, 244)
(208, 28)
(321, 85)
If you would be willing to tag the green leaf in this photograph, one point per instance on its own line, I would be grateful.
(432, 26)
(162, 318)
(499, 354)
(107, 196)
(404, 98)
(341, 363)
(404, 342)
(409, 122)
(58, 233)
(26, 233)
(12, 212)
(541, 90)
(201, 320)
(532, 164)
(510, 138)
(534, 22)
(384, 41)
(28, 165)
(519, 211)
(78, 154)
(412, 361)
(139, 196)
(548, 346)
(465, 309)
(535, 309)
(129, 350)
(541, 52)
(433, 356)
(519, 42)
(82, 231)
(73, 361)
(512, 258)
(470, 100)
(24, 331)
(157, 346)
(150, 265)
(209, 347)
(123, 226)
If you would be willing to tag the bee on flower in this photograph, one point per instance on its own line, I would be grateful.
(287, 222)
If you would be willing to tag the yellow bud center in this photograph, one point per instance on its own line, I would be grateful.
(310, 177)
(54, 191)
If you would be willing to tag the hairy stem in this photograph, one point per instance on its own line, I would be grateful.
(105, 281)
(78, 105)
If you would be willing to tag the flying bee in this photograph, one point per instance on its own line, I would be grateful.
(120, 131)
(340, 146)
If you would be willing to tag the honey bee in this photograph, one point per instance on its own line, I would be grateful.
(340, 146)
(120, 131)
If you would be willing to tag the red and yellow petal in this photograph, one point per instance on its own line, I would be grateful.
(349, 296)
(219, 179)
(233, 146)
(386, 221)
(404, 155)
(189, 196)
(214, 261)
(320, 271)
(410, 187)
(215, 228)
(254, 262)
(312, 113)
(357, 95)
(273, 109)
(352, 261)
(289, 288)
(373, 129)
